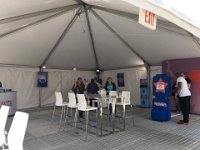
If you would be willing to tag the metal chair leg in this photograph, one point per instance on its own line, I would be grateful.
(124, 116)
(61, 116)
(66, 116)
(53, 113)
(132, 114)
(113, 117)
(64, 112)
(75, 118)
(97, 120)
(86, 121)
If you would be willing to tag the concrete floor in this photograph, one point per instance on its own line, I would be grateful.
(145, 134)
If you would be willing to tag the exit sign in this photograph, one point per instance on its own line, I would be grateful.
(147, 19)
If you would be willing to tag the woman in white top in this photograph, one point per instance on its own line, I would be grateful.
(184, 98)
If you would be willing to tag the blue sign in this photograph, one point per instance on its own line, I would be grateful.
(161, 85)
(120, 79)
(144, 101)
(42, 79)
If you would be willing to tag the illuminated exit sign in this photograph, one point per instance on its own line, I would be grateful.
(147, 19)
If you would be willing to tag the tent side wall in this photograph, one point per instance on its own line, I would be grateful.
(131, 80)
(62, 80)
(24, 81)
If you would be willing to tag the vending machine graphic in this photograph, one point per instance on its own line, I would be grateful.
(144, 101)
(161, 91)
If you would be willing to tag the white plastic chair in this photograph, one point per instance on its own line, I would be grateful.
(59, 103)
(125, 100)
(82, 106)
(72, 103)
(102, 93)
(112, 99)
(3, 118)
(113, 93)
(17, 131)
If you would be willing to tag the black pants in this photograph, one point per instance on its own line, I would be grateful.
(185, 107)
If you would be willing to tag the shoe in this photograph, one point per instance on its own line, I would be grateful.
(186, 123)
(180, 122)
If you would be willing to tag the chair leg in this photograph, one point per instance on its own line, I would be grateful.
(132, 114)
(64, 112)
(86, 123)
(53, 113)
(61, 116)
(66, 116)
(124, 116)
(113, 117)
(71, 111)
(100, 118)
(108, 114)
(75, 118)
(97, 121)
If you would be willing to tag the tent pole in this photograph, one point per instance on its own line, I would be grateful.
(118, 36)
(91, 37)
(148, 68)
(62, 36)
(40, 93)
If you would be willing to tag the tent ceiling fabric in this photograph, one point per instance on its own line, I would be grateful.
(10, 26)
(75, 49)
(111, 53)
(33, 33)
(11, 8)
(151, 5)
(166, 45)
(32, 45)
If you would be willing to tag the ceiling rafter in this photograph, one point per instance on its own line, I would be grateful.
(39, 13)
(62, 36)
(35, 23)
(195, 39)
(118, 36)
(91, 38)
(161, 24)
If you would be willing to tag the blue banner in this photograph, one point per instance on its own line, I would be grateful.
(42, 79)
(120, 79)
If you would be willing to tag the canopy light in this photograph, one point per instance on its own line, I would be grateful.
(74, 68)
(97, 70)
(44, 67)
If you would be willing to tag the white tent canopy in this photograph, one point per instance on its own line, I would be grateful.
(87, 35)
(67, 34)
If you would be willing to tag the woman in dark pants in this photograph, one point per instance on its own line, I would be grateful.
(184, 98)
(110, 86)
(79, 88)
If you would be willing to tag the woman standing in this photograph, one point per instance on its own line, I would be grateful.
(79, 88)
(110, 86)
